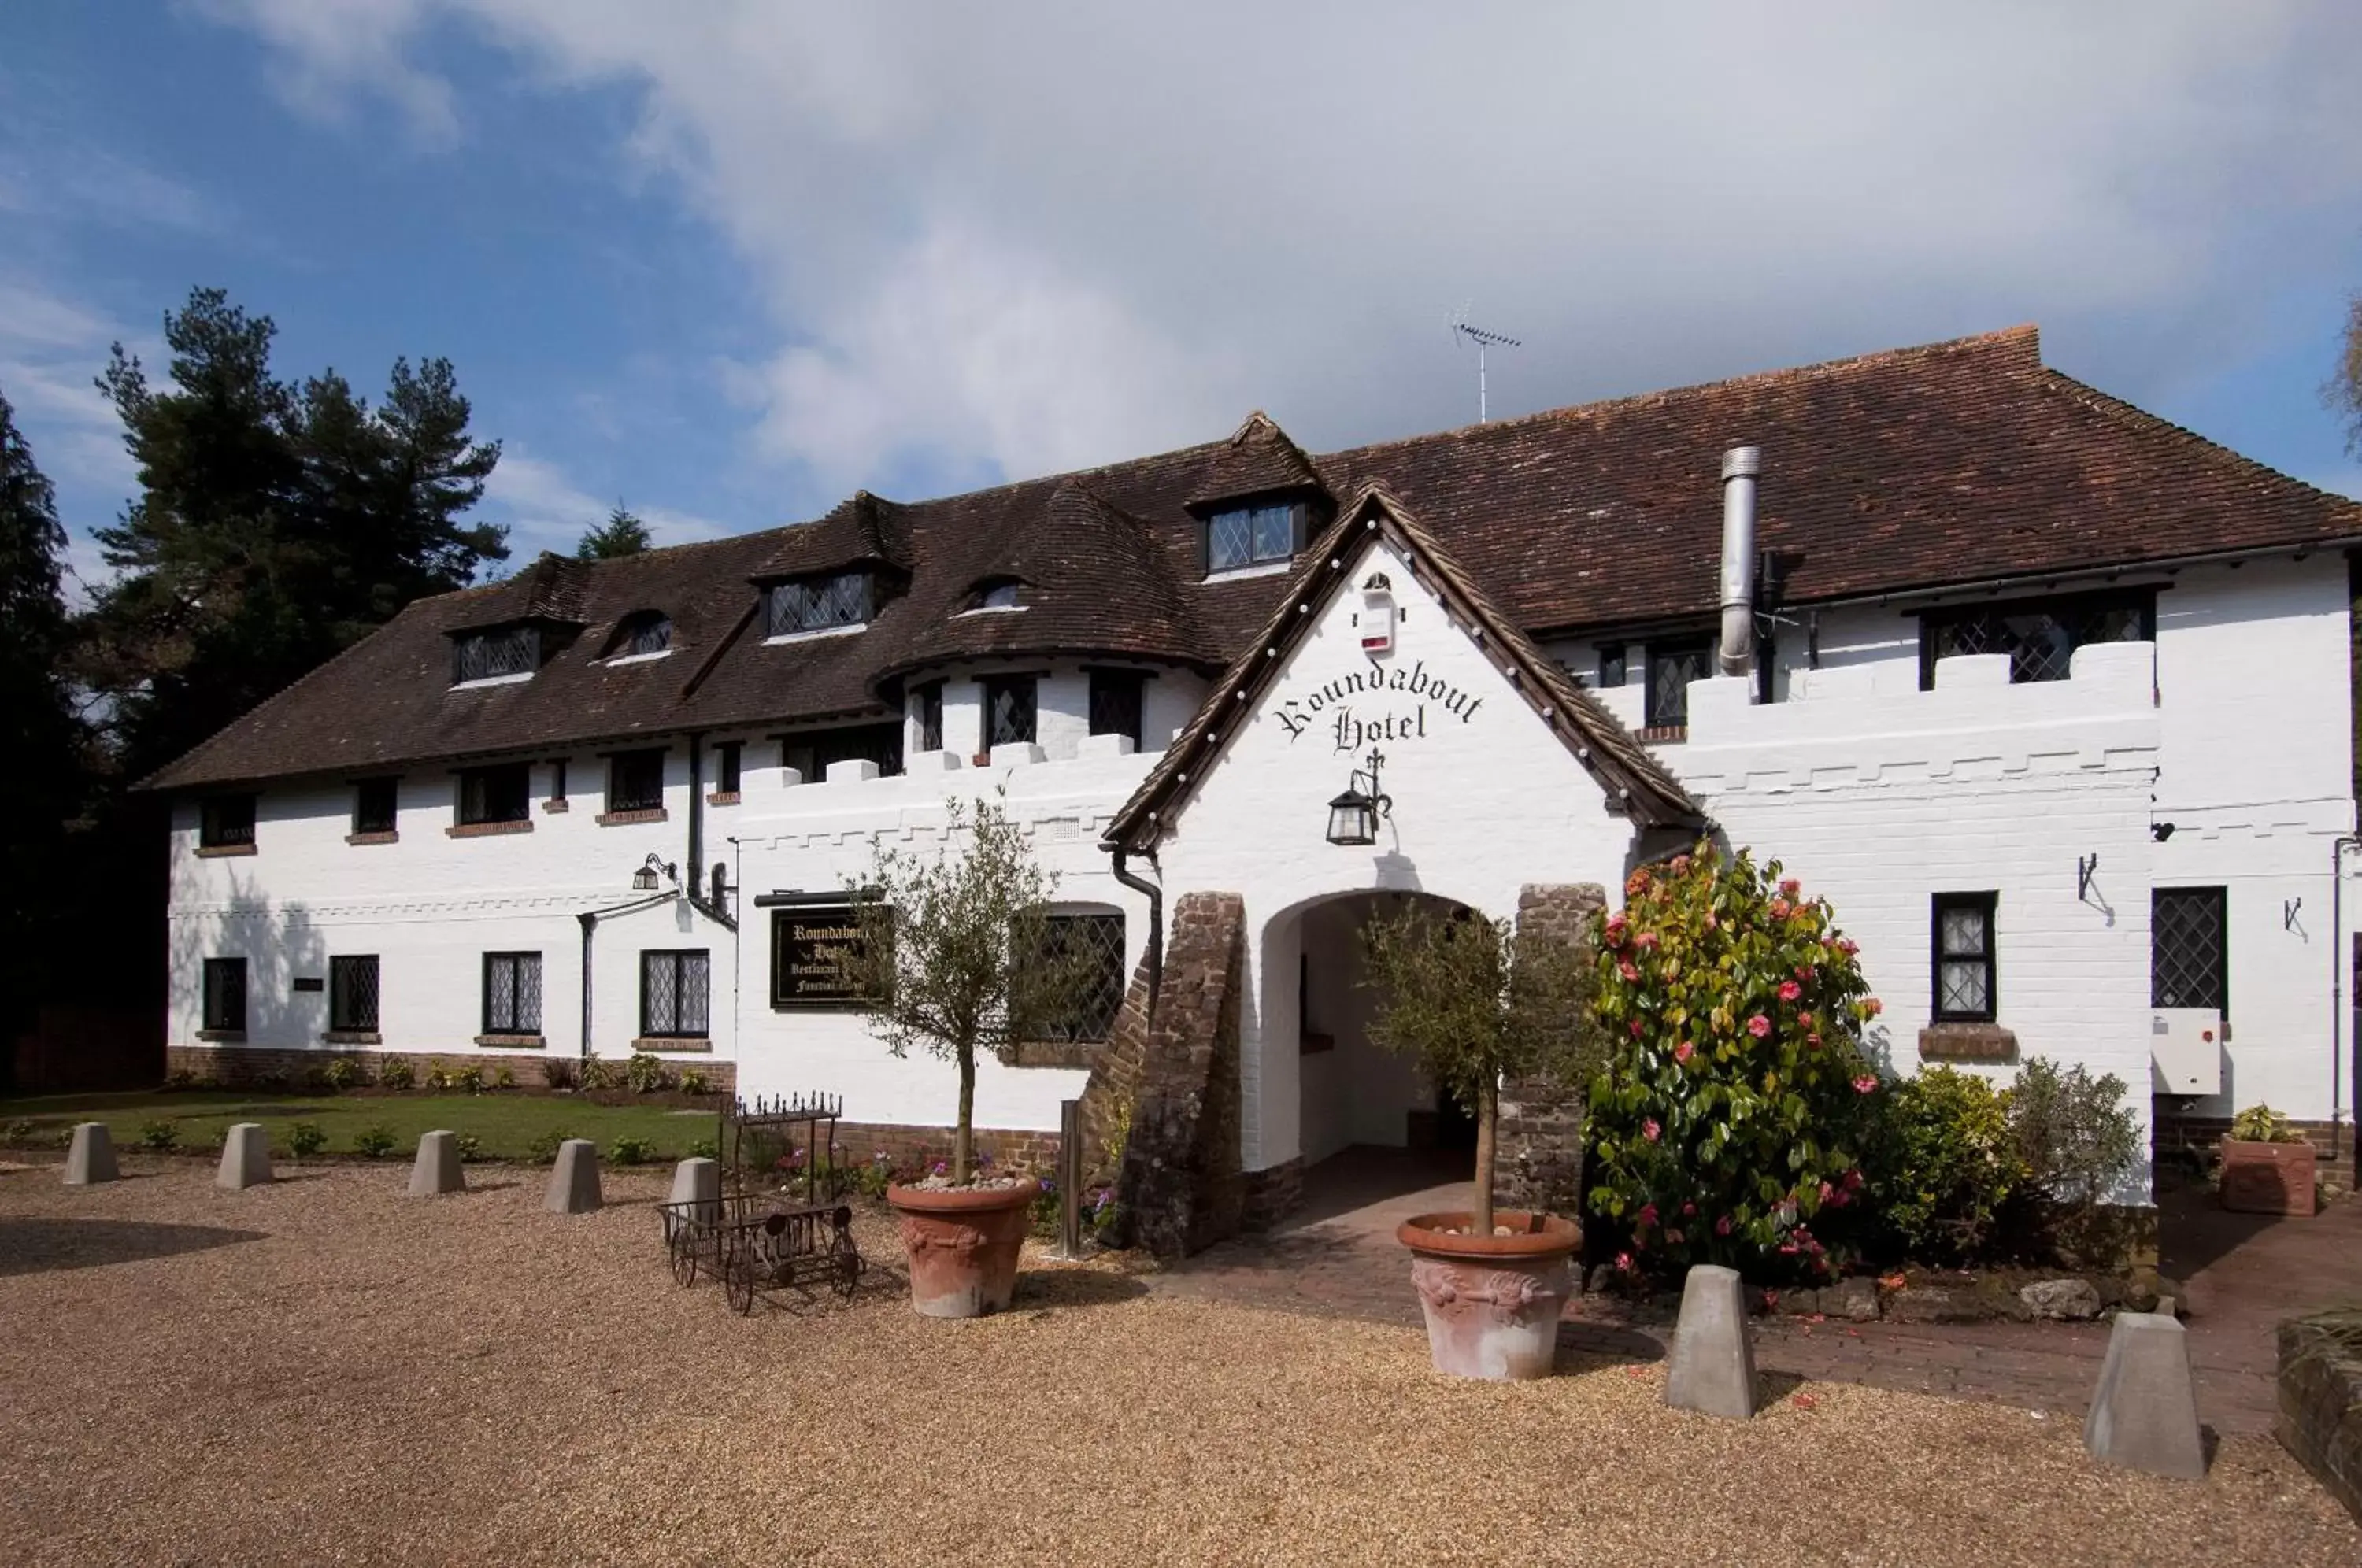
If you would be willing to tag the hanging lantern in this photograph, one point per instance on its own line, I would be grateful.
(1353, 815)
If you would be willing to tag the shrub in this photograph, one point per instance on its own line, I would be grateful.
(160, 1135)
(504, 1077)
(273, 1080)
(704, 1149)
(342, 1073)
(2259, 1124)
(1949, 1163)
(437, 1080)
(1104, 1215)
(597, 1073)
(628, 1151)
(544, 1149)
(180, 1080)
(1738, 1100)
(466, 1080)
(557, 1073)
(470, 1147)
(875, 1177)
(305, 1138)
(694, 1082)
(376, 1142)
(644, 1074)
(21, 1130)
(396, 1073)
(1046, 1209)
(2075, 1138)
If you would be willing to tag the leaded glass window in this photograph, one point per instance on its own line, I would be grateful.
(2189, 956)
(635, 781)
(649, 632)
(374, 805)
(512, 993)
(352, 993)
(226, 822)
(811, 754)
(818, 603)
(1115, 702)
(674, 990)
(225, 1000)
(928, 702)
(1964, 970)
(504, 650)
(2039, 637)
(1099, 939)
(1672, 668)
(1250, 536)
(499, 794)
(1009, 710)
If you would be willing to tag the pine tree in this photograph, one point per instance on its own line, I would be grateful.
(621, 535)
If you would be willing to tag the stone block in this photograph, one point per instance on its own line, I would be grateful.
(246, 1157)
(2144, 1414)
(699, 1181)
(436, 1169)
(1713, 1354)
(574, 1180)
(1854, 1300)
(2061, 1301)
(92, 1156)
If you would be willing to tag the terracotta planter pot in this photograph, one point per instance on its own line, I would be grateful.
(1491, 1302)
(2267, 1178)
(962, 1245)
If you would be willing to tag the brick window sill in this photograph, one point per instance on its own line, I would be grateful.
(1662, 734)
(555, 807)
(488, 830)
(223, 851)
(626, 819)
(351, 1037)
(1968, 1043)
(1057, 1053)
(222, 1036)
(666, 1045)
(513, 1042)
(722, 798)
(388, 836)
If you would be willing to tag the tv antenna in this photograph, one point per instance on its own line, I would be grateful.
(1484, 340)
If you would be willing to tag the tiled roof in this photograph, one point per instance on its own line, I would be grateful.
(1257, 460)
(1634, 780)
(1953, 463)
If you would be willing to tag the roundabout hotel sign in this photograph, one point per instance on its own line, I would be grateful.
(1364, 707)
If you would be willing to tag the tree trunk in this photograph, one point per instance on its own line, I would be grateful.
(1488, 1116)
(963, 1140)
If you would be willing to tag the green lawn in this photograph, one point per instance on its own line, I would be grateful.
(504, 1123)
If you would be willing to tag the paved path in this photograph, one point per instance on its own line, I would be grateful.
(2242, 1274)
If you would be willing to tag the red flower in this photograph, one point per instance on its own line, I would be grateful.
(1864, 1084)
(1827, 1192)
(1722, 1226)
(1791, 886)
(1616, 930)
(1790, 990)
(1624, 1263)
(1645, 940)
(1803, 971)
(1648, 1215)
(1758, 1026)
(1681, 865)
(1628, 971)
(1648, 1130)
(1689, 1208)
(1848, 946)
(1779, 909)
(1673, 1238)
(1805, 1018)
(1814, 1040)
(1685, 1051)
(1636, 1029)
(1637, 884)
(1853, 1181)
(1873, 1006)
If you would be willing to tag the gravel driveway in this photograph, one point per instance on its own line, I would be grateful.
(322, 1371)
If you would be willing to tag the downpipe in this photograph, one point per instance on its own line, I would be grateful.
(1155, 896)
(589, 919)
(2341, 1072)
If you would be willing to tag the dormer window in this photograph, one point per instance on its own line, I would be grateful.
(642, 635)
(1243, 537)
(994, 593)
(498, 653)
(832, 602)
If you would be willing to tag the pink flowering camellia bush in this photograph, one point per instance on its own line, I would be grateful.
(1729, 1126)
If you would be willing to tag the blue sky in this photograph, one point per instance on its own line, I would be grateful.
(728, 262)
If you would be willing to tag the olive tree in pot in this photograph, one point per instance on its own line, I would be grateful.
(1475, 1001)
(959, 958)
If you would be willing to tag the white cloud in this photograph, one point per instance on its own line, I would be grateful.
(545, 510)
(1018, 236)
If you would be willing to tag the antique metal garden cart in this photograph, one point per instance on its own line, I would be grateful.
(756, 1241)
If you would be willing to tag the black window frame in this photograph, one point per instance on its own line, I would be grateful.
(223, 985)
(1667, 702)
(728, 767)
(991, 688)
(636, 779)
(820, 602)
(928, 697)
(640, 633)
(514, 963)
(354, 993)
(1093, 1021)
(556, 780)
(1116, 696)
(1256, 554)
(677, 958)
(1611, 664)
(495, 653)
(2220, 898)
(475, 803)
(1987, 905)
(813, 752)
(2075, 611)
(227, 821)
(369, 796)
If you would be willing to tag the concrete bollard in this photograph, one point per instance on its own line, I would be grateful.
(2145, 1412)
(1713, 1354)
(699, 1181)
(436, 1169)
(574, 1182)
(91, 1157)
(246, 1158)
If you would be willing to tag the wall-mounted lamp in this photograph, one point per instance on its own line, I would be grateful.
(644, 881)
(2160, 831)
(1353, 816)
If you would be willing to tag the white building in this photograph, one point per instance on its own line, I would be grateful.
(2021, 664)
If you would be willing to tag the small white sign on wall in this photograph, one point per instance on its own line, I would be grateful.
(1378, 615)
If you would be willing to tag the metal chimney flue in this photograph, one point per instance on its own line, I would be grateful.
(1740, 465)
